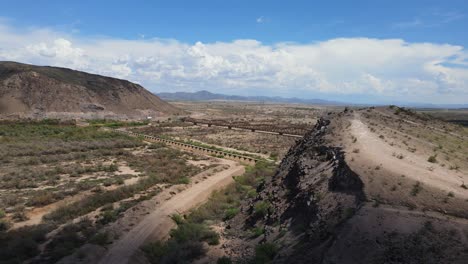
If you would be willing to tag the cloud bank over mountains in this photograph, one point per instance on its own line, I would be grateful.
(382, 68)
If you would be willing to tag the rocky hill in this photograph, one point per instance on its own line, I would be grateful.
(39, 92)
(382, 185)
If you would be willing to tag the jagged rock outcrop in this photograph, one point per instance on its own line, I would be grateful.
(312, 193)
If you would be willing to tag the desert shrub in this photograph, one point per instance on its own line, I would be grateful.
(42, 198)
(19, 214)
(185, 244)
(100, 239)
(432, 159)
(224, 260)
(184, 180)
(265, 253)
(91, 203)
(69, 239)
(20, 244)
(4, 225)
(230, 213)
(178, 219)
(257, 231)
(261, 208)
(157, 145)
(416, 189)
(108, 217)
(173, 253)
(196, 232)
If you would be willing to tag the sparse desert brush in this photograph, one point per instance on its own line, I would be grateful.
(4, 225)
(261, 208)
(356, 150)
(417, 188)
(432, 159)
(265, 253)
(224, 260)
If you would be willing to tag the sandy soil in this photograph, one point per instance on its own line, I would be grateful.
(373, 151)
(157, 224)
(35, 215)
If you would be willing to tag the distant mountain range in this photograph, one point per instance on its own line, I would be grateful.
(209, 96)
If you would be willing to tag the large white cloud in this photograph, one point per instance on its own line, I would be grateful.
(383, 68)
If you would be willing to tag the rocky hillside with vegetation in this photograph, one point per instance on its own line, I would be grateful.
(51, 92)
(382, 185)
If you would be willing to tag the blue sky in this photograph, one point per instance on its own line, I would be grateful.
(209, 21)
(254, 47)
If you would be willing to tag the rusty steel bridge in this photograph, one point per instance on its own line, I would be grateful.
(289, 129)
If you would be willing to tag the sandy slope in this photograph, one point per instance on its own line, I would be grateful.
(158, 224)
(373, 150)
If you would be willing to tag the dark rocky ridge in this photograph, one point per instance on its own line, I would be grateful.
(312, 193)
(319, 213)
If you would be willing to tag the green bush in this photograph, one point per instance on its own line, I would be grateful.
(432, 159)
(257, 231)
(194, 232)
(101, 239)
(230, 213)
(261, 208)
(265, 253)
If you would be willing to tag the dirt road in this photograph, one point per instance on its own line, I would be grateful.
(374, 150)
(158, 224)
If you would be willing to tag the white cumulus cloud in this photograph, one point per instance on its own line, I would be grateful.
(383, 68)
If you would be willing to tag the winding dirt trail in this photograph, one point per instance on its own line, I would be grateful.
(374, 150)
(158, 224)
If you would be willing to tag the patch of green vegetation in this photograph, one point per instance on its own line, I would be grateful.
(257, 231)
(20, 244)
(184, 245)
(262, 208)
(186, 242)
(206, 146)
(265, 253)
(116, 123)
(224, 260)
(230, 213)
